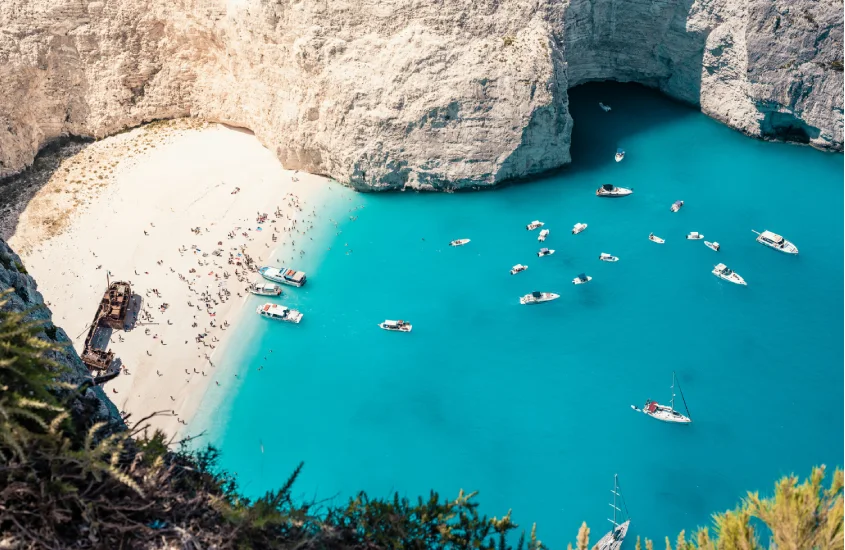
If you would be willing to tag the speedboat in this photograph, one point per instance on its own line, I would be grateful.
(695, 236)
(655, 239)
(283, 275)
(543, 234)
(604, 107)
(724, 272)
(676, 206)
(534, 225)
(396, 326)
(620, 154)
(579, 227)
(773, 240)
(265, 289)
(611, 191)
(605, 257)
(712, 246)
(581, 279)
(279, 313)
(459, 242)
(545, 252)
(538, 298)
(518, 268)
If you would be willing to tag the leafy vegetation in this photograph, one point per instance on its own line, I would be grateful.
(66, 480)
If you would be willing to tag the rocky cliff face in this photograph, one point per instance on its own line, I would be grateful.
(410, 93)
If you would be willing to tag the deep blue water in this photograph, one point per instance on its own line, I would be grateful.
(531, 405)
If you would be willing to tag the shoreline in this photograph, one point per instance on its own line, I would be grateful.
(173, 209)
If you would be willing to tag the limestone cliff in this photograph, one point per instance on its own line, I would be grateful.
(418, 93)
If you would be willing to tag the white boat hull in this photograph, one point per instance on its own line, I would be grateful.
(657, 240)
(528, 299)
(405, 328)
(577, 281)
(619, 158)
(613, 540)
(665, 414)
(695, 237)
(712, 246)
(459, 242)
(608, 258)
(579, 227)
(547, 253)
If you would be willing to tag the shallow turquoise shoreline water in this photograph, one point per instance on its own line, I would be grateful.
(531, 405)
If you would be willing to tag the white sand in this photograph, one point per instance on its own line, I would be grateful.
(128, 202)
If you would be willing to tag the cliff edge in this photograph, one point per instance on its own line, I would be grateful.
(386, 94)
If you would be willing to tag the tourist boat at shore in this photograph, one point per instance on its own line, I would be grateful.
(578, 227)
(581, 279)
(265, 289)
(655, 239)
(545, 252)
(538, 298)
(714, 246)
(543, 234)
(694, 236)
(459, 242)
(396, 326)
(604, 107)
(613, 540)
(283, 275)
(676, 206)
(518, 268)
(773, 240)
(620, 154)
(534, 225)
(664, 413)
(605, 257)
(611, 191)
(724, 272)
(279, 313)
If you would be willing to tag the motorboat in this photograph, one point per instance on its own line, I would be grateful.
(581, 279)
(773, 240)
(664, 413)
(459, 242)
(265, 289)
(396, 326)
(613, 540)
(279, 313)
(538, 298)
(724, 272)
(655, 239)
(534, 225)
(543, 234)
(605, 257)
(604, 107)
(611, 191)
(712, 246)
(579, 227)
(694, 236)
(545, 252)
(283, 275)
(518, 268)
(620, 154)
(676, 206)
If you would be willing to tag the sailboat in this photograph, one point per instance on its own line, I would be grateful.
(664, 413)
(613, 540)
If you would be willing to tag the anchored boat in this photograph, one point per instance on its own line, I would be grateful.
(611, 191)
(543, 234)
(773, 240)
(279, 313)
(676, 206)
(518, 268)
(655, 239)
(620, 154)
(664, 413)
(578, 227)
(613, 540)
(605, 257)
(694, 236)
(396, 326)
(534, 225)
(581, 279)
(714, 246)
(265, 289)
(538, 298)
(283, 275)
(545, 252)
(724, 272)
(459, 242)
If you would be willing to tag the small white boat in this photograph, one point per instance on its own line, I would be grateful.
(396, 326)
(664, 413)
(518, 268)
(543, 234)
(279, 313)
(611, 191)
(538, 298)
(283, 275)
(581, 279)
(695, 236)
(459, 242)
(534, 225)
(265, 289)
(545, 252)
(655, 239)
(676, 206)
(724, 272)
(605, 257)
(604, 107)
(615, 537)
(712, 246)
(579, 227)
(620, 154)
(773, 240)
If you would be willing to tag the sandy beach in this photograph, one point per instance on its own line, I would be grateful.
(179, 210)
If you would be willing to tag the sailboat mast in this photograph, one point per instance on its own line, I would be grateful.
(673, 391)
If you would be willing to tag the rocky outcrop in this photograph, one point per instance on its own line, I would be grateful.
(410, 93)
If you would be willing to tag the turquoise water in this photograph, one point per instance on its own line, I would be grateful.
(531, 405)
